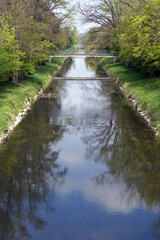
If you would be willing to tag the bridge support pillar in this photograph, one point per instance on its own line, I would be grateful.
(114, 59)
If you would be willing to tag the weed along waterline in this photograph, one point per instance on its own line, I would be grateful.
(80, 165)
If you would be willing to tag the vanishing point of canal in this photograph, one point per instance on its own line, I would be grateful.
(80, 166)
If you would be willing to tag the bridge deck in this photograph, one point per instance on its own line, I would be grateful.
(84, 55)
(82, 78)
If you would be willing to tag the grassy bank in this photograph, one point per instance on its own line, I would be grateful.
(143, 91)
(13, 97)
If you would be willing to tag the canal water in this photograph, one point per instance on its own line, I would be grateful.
(80, 166)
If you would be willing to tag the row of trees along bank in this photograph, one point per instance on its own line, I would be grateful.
(130, 28)
(31, 30)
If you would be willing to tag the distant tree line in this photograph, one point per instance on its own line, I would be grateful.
(31, 30)
(130, 28)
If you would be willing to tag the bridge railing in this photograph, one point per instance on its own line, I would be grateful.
(91, 55)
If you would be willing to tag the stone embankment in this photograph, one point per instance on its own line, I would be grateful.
(137, 107)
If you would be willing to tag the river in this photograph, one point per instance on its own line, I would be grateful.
(80, 166)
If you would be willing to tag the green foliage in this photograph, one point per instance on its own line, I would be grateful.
(90, 39)
(57, 60)
(36, 31)
(114, 43)
(139, 41)
(130, 28)
(9, 52)
(73, 37)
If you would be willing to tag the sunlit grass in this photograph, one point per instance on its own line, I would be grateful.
(13, 96)
(145, 89)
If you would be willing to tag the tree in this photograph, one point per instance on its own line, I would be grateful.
(106, 15)
(9, 52)
(39, 26)
(139, 40)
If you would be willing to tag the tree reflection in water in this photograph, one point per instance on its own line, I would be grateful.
(95, 66)
(135, 159)
(29, 172)
(130, 154)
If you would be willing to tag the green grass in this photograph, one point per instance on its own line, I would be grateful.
(145, 89)
(13, 96)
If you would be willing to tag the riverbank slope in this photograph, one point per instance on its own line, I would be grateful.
(16, 99)
(143, 92)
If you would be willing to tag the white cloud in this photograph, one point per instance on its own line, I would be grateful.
(70, 158)
(112, 198)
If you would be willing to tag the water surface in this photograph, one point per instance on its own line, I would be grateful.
(81, 166)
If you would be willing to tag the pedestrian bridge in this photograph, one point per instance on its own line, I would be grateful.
(82, 78)
(84, 55)
(77, 55)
